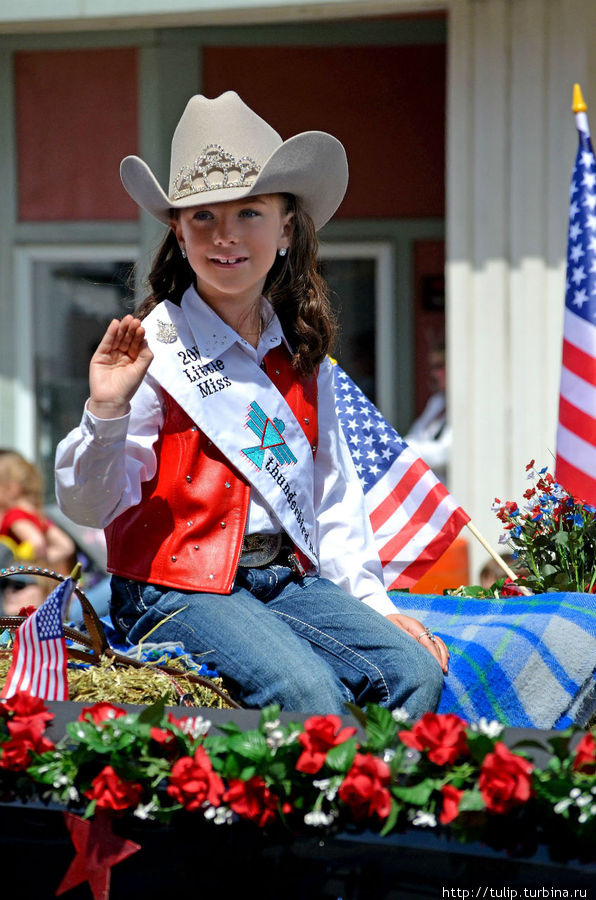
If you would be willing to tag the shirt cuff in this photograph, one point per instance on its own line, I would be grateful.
(104, 431)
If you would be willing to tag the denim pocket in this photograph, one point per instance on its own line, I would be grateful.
(128, 602)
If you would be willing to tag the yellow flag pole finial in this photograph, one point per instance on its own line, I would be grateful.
(579, 104)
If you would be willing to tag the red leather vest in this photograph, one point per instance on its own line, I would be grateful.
(187, 530)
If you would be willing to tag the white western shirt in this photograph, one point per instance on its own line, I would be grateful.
(101, 465)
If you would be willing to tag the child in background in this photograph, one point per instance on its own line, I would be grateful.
(20, 590)
(22, 518)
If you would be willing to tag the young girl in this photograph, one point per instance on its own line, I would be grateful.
(210, 448)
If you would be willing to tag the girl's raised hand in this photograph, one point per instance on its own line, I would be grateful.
(118, 367)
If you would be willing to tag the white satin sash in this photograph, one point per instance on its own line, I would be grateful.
(239, 408)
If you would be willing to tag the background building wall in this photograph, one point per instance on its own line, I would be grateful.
(511, 147)
(76, 118)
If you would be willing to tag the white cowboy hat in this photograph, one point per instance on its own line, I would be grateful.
(222, 150)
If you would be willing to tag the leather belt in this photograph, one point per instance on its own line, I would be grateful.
(258, 550)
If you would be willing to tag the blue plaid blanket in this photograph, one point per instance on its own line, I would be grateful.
(523, 661)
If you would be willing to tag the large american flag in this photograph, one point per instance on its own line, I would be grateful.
(575, 467)
(39, 652)
(414, 517)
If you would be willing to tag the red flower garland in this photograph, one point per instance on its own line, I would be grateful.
(585, 755)
(442, 735)
(193, 783)
(504, 779)
(364, 789)
(110, 791)
(253, 800)
(321, 733)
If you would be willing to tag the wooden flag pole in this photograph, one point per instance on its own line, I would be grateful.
(498, 559)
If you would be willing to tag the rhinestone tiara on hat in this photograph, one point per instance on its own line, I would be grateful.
(197, 178)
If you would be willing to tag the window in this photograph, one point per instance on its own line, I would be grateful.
(67, 297)
(361, 278)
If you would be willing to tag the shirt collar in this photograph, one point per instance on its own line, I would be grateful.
(213, 336)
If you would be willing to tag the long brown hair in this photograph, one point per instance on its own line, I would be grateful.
(295, 288)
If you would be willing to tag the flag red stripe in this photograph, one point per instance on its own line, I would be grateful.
(432, 500)
(45, 652)
(35, 662)
(575, 481)
(577, 421)
(28, 651)
(394, 500)
(433, 550)
(579, 362)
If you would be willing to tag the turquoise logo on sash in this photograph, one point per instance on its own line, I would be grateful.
(269, 432)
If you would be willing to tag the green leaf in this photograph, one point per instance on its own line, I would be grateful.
(391, 818)
(278, 771)
(358, 713)
(90, 809)
(153, 715)
(381, 728)
(251, 745)
(340, 758)
(564, 582)
(101, 740)
(229, 728)
(480, 744)
(559, 743)
(417, 794)
(471, 801)
(216, 744)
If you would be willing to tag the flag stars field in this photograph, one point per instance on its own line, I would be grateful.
(413, 516)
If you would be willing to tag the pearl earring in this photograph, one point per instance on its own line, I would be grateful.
(282, 251)
(183, 252)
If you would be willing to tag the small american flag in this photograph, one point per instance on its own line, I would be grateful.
(414, 518)
(39, 653)
(575, 467)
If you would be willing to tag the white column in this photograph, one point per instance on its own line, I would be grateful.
(511, 147)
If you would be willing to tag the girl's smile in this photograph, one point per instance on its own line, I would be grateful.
(228, 260)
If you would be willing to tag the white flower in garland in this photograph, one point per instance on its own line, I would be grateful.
(319, 819)
(195, 726)
(328, 786)
(490, 729)
(219, 815)
(145, 810)
(422, 819)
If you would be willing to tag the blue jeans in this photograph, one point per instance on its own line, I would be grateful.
(303, 643)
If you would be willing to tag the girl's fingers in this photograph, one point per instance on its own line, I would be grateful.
(122, 335)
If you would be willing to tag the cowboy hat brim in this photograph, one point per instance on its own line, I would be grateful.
(311, 165)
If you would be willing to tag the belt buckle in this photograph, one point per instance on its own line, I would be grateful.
(259, 549)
